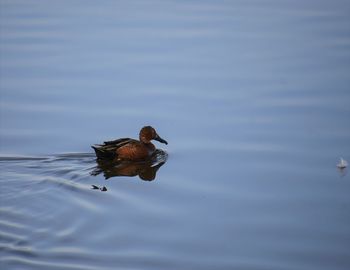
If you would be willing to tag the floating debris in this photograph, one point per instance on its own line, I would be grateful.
(96, 187)
(342, 164)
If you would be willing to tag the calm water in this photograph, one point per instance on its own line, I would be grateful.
(252, 96)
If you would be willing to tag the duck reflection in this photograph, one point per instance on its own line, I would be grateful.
(145, 170)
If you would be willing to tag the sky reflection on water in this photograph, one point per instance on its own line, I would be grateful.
(253, 98)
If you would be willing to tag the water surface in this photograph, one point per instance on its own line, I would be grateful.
(253, 98)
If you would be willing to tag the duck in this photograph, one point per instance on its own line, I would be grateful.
(127, 149)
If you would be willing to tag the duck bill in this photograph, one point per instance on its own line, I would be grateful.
(159, 139)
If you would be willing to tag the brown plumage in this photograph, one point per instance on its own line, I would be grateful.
(129, 149)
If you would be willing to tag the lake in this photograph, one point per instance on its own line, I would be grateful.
(252, 96)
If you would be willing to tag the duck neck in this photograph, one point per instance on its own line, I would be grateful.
(144, 140)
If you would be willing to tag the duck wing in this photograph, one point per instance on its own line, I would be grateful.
(107, 150)
(120, 142)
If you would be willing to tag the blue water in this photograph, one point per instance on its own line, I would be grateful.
(252, 96)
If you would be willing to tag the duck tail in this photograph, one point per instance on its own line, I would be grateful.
(102, 153)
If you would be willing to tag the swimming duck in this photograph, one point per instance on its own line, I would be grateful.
(129, 149)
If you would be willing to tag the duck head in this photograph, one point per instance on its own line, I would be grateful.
(148, 133)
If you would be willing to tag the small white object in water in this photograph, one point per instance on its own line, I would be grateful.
(342, 163)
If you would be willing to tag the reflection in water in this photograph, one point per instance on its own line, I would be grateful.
(342, 171)
(146, 170)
